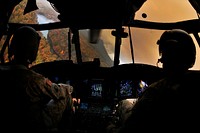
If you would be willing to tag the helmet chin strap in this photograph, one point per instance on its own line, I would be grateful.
(159, 61)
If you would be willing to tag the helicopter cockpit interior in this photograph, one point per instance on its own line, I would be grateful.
(85, 45)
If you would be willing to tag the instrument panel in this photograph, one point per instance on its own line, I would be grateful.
(98, 90)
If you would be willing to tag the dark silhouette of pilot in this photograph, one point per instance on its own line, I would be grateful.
(170, 104)
(29, 101)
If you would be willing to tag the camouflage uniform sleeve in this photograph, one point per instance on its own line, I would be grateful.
(41, 86)
(54, 90)
(62, 101)
(61, 93)
(60, 98)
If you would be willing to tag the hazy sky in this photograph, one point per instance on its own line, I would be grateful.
(144, 40)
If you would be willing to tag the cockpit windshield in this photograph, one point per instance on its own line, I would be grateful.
(139, 46)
